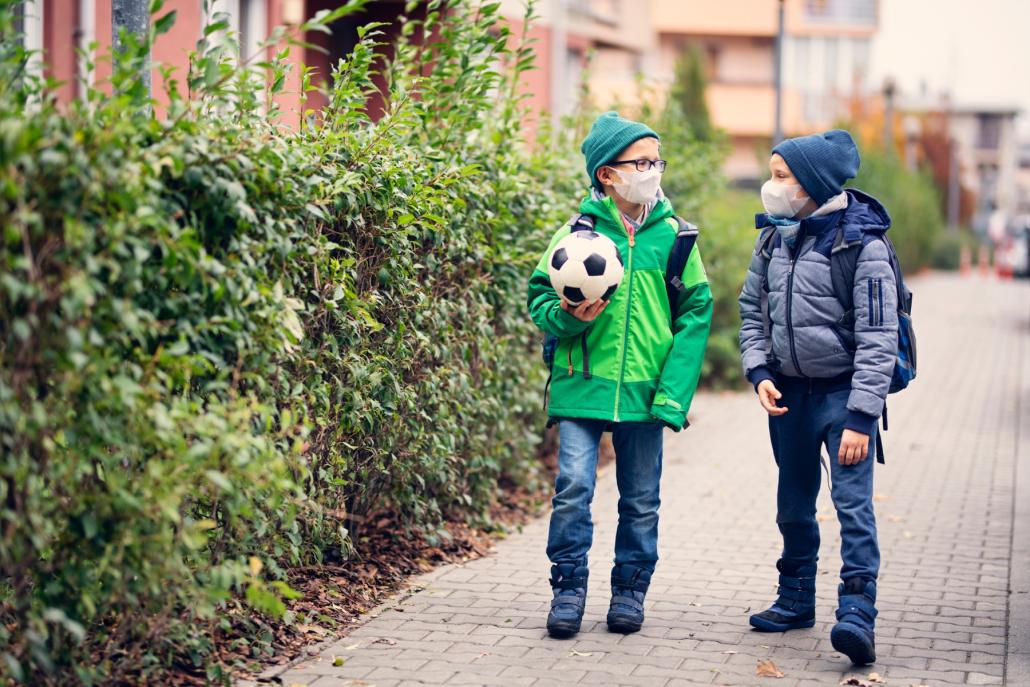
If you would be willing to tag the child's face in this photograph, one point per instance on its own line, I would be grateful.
(642, 149)
(781, 174)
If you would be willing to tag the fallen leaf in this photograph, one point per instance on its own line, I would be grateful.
(580, 653)
(877, 678)
(352, 647)
(766, 668)
(313, 629)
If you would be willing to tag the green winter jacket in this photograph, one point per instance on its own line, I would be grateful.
(643, 365)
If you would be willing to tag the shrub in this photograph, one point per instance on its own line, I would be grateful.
(912, 201)
(224, 343)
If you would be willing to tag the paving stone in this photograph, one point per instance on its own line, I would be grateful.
(944, 508)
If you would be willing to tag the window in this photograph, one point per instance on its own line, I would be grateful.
(989, 132)
(852, 12)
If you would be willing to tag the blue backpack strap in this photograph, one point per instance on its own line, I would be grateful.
(686, 238)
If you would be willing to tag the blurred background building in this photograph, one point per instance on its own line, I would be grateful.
(617, 49)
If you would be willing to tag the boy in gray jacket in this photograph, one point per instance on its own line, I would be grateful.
(821, 372)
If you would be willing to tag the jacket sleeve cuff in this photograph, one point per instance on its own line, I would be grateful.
(669, 416)
(861, 422)
(569, 324)
(759, 375)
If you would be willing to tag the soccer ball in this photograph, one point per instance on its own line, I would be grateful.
(585, 266)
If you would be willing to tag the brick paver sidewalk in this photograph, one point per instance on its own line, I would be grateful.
(945, 504)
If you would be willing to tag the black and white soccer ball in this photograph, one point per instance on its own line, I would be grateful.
(585, 266)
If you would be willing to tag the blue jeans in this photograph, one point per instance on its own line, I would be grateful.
(816, 418)
(638, 469)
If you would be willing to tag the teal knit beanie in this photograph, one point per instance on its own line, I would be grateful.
(609, 136)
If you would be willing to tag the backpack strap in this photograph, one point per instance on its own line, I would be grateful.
(766, 245)
(581, 222)
(843, 264)
(686, 238)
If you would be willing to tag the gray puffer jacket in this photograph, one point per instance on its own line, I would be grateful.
(803, 335)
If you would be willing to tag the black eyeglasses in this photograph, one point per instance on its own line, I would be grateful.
(642, 165)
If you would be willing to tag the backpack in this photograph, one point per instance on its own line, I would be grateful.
(686, 237)
(843, 264)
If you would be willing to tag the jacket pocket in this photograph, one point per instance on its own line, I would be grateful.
(843, 340)
(875, 307)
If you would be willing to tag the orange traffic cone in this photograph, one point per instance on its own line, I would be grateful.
(965, 260)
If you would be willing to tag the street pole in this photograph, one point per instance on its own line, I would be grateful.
(778, 77)
(954, 189)
(889, 89)
(134, 17)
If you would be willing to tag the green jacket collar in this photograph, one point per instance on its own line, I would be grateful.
(606, 212)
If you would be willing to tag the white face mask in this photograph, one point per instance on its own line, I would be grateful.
(640, 187)
(781, 200)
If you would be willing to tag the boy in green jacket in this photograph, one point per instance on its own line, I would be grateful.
(644, 359)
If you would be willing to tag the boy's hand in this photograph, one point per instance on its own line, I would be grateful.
(854, 447)
(768, 394)
(585, 312)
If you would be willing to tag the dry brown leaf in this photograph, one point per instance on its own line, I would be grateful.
(313, 630)
(766, 668)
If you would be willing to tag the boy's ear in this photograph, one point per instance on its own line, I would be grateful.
(606, 175)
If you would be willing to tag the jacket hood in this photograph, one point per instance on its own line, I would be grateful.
(865, 213)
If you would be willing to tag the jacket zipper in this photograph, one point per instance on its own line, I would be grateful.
(790, 300)
(629, 302)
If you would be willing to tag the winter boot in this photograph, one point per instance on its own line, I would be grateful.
(853, 635)
(569, 583)
(629, 585)
(794, 608)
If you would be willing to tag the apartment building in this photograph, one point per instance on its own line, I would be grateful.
(825, 63)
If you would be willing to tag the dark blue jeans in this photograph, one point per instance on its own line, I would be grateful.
(638, 469)
(815, 419)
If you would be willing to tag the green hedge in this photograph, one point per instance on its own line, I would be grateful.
(912, 201)
(223, 343)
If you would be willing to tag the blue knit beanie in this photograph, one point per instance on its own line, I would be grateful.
(822, 163)
(609, 136)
